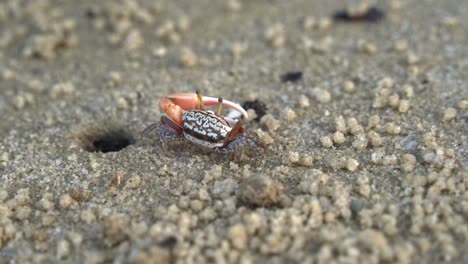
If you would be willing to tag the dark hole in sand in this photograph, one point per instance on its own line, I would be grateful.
(291, 76)
(168, 242)
(109, 139)
(112, 141)
(257, 105)
(372, 14)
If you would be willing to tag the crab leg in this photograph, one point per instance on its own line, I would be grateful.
(188, 101)
(235, 131)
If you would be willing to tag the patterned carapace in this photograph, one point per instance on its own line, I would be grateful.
(205, 128)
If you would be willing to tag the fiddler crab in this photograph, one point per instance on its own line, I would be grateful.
(186, 118)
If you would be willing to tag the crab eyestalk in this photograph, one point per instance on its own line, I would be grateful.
(220, 106)
(200, 100)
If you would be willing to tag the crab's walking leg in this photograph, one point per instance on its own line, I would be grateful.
(168, 131)
(235, 146)
(169, 123)
(235, 131)
(254, 142)
(150, 128)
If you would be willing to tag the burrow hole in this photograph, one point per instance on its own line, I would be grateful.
(108, 138)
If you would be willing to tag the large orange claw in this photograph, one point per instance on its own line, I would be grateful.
(188, 101)
(226, 103)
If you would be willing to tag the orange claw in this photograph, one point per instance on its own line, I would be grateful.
(174, 111)
(176, 104)
(186, 101)
(189, 101)
(226, 103)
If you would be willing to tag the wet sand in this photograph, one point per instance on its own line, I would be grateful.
(364, 123)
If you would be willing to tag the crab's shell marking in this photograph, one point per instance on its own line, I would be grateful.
(205, 128)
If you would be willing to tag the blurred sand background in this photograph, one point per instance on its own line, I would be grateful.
(367, 147)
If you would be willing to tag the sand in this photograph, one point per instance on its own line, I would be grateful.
(364, 127)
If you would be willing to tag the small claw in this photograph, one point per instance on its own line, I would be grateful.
(149, 128)
(173, 110)
(188, 101)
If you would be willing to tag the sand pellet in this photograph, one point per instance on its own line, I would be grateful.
(404, 106)
(326, 141)
(392, 128)
(340, 124)
(339, 138)
(450, 113)
(348, 86)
